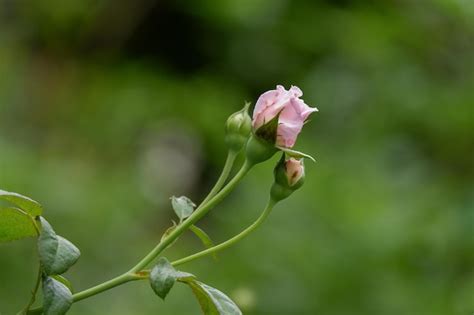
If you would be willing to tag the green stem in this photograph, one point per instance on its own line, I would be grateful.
(38, 276)
(126, 277)
(193, 218)
(229, 162)
(271, 203)
(231, 241)
(33, 293)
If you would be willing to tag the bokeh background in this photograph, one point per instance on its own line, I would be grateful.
(107, 108)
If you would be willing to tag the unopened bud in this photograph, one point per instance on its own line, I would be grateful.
(295, 173)
(238, 128)
(289, 176)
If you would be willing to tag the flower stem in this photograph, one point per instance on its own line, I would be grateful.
(38, 276)
(198, 214)
(126, 277)
(231, 241)
(269, 207)
(33, 293)
(229, 163)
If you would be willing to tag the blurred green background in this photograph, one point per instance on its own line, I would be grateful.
(107, 108)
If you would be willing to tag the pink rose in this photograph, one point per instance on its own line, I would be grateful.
(293, 113)
(294, 171)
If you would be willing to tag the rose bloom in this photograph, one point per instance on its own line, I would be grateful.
(293, 113)
(294, 170)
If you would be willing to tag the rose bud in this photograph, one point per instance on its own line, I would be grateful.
(238, 128)
(289, 176)
(278, 118)
(282, 111)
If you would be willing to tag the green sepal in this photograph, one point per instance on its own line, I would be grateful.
(295, 154)
(56, 253)
(27, 204)
(204, 237)
(57, 298)
(268, 131)
(15, 224)
(279, 172)
(182, 206)
(162, 277)
(211, 300)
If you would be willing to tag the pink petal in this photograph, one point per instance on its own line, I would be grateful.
(268, 105)
(296, 91)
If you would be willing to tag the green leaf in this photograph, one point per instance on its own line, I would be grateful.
(30, 206)
(184, 276)
(296, 154)
(268, 131)
(223, 303)
(208, 306)
(57, 298)
(205, 239)
(162, 277)
(182, 206)
(56, 253)
(15, 224)
(211, 300)
(64, 281)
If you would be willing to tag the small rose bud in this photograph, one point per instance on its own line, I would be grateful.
(238, 128)
(295, 172)
(289, 176)
(279, 116)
